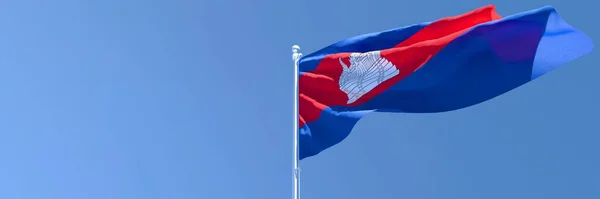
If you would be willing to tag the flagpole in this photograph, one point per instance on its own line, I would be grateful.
(296, 57)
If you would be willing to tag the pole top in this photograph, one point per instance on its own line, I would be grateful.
(296, 53)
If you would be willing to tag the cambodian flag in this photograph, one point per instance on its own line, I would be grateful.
(438, 66)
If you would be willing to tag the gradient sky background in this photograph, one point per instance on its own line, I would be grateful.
(182, 99)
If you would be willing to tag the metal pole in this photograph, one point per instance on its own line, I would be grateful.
(296, 57)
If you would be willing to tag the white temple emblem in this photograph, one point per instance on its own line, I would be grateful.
(366, 71)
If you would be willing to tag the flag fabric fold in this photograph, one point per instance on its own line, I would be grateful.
(439, 66)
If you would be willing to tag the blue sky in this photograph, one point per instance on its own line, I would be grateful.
(193, 99)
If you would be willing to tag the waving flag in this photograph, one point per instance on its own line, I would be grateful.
(439, 66)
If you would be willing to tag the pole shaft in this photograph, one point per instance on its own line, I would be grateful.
(296, 57)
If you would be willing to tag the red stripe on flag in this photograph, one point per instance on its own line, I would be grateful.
(320, 88)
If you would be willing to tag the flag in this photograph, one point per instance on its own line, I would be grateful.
(438, 66)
